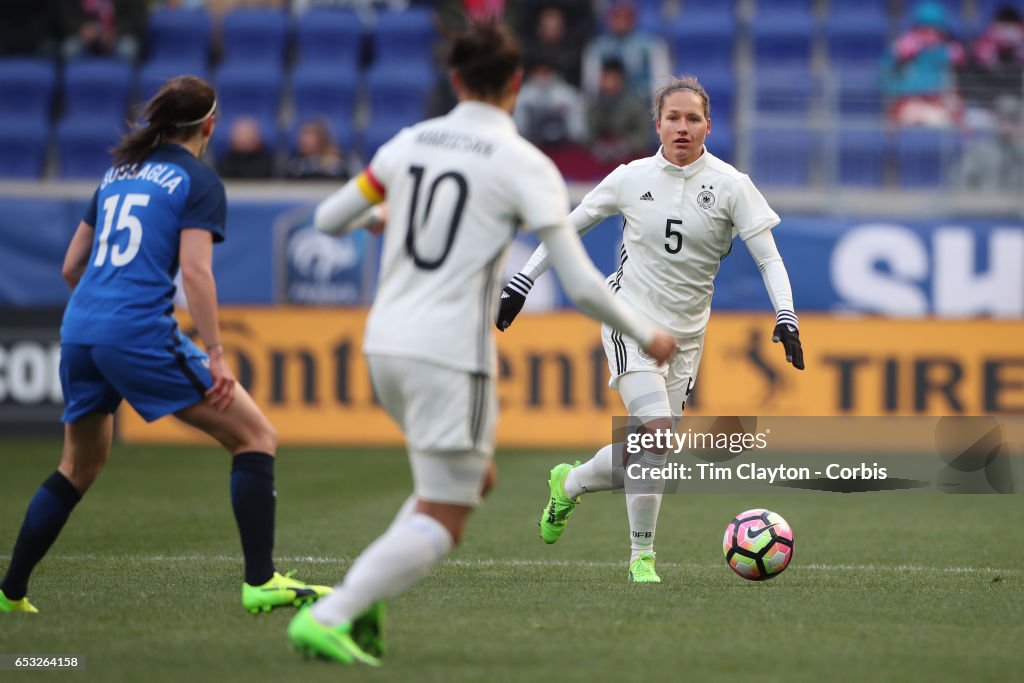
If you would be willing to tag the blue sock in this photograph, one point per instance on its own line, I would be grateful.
(47, 512)
(253, 499)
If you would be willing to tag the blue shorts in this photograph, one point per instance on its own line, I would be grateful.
(156, 381)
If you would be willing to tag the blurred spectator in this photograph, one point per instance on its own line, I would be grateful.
(549, 41)
(549, 111)
(918, 71)
(317, 156)
(29, 28)
(618, 125)
(644, 57)
(537, 26)
(996, 63)
(996, 161)
(102, 27)
(247, 157)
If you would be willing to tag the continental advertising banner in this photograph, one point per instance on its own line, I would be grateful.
(305, 368)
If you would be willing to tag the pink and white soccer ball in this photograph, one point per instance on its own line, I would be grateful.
(758, 544)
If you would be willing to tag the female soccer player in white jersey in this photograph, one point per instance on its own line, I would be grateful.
(682, 207)
(457, 188)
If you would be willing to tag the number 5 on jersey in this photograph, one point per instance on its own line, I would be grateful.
(671, 234)
(125, 221)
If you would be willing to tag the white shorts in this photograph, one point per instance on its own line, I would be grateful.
(448, 417)
(680, 373)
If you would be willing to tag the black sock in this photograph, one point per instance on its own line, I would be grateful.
(254, 499)
(46, 515)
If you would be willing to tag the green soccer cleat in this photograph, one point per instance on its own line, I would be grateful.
(559, 507)
(641, 570)
(368, 630)
(280, 591)
(23, 605)
(309, 636)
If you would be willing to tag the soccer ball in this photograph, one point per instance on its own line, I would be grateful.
(758, 544)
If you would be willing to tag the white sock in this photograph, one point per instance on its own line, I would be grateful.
(392, 564)
(408, 507)
(593, 475)
(642, 509)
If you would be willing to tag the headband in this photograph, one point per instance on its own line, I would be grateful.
(199, 120)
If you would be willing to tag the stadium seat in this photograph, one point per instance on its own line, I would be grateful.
(249, 90)
(331, 37)
(97, 88)
(788, 7)
(23, 144)
(380, 130)
(720, 85)
(255, 36)
(324, 90)
(720, 141)
(785, 92)
(863, 153)
(399, 93)
(782, 39)
(404, 38)
(921, 154)
(856, 10)
(859, 92)
(26, 88)
(154, 74)
(856, 39)
(83, 147)
(178, 35)
(700, 41)
(783, 156)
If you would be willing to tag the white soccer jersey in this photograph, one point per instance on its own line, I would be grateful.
(458, 187)
(679, 223)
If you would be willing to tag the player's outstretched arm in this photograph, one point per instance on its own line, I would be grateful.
(776, 280)
(513, 296)
(356, 205)
(584, 285)
(77, 256)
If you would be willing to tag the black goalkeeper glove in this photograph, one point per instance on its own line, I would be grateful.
(787, 332)
(513, 296)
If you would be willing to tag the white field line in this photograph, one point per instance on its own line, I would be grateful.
(511, 563)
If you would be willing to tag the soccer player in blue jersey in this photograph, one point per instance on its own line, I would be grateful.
(157, 209)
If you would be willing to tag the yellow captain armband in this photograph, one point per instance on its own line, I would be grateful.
(370, 187)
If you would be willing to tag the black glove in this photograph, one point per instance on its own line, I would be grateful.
(786, 331)
(513, 296)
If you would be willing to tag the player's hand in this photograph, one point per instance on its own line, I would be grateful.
(222, 393)
(662, 347)
(513, 296)
(381, 219)
(789, 335)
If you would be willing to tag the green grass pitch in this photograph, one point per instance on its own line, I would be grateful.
(144, 582)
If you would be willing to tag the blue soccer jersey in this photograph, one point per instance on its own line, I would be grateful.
(126, 295)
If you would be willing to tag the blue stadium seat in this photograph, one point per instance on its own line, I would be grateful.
(255, 36)
(787, 7)
(788, 92)
(330, 36)
(720, 141)
(404, 38)
(380, 130)
(856, 39)
(26, 88)
(324, 90)
(97, 88)
(863, 154)
(23, 144)
(920, 157)
(176, 35)
(398, 93)
(855, 10)
(720, 85)
(783, 156)
(154, 74)
(84, 146)
(782, 40)
(859, 92)
(699, 41)
(987, 8)
(249, 90)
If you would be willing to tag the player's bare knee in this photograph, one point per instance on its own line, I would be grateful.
(490, 480)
